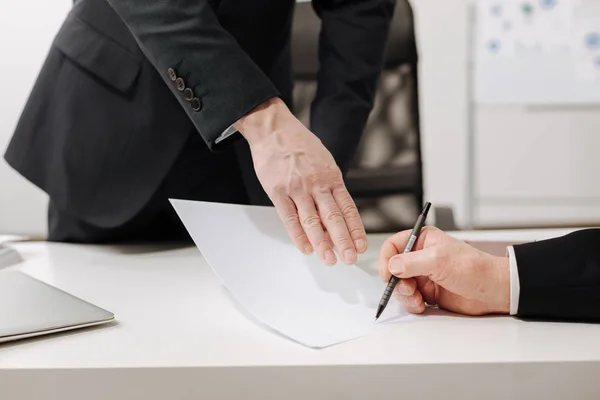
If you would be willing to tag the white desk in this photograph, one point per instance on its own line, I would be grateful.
(180, 336)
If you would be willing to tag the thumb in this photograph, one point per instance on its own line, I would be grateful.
(417, 263)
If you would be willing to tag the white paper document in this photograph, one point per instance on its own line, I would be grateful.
(296, 295)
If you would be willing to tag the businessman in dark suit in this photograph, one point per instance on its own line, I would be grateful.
(555, 279)
(139, 101)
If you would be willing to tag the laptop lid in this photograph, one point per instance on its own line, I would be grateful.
(29, 307)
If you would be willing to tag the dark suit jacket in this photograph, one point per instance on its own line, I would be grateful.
(127, 80)
(560, 278)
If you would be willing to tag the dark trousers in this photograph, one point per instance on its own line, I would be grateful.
(197, 174)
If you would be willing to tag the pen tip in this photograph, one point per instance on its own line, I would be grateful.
(426, 208)
(379, 311)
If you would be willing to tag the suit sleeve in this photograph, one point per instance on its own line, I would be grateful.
(184, 39)
(560, 278)
(351, 55)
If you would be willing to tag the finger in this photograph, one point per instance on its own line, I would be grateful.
(413, 304)
(388, 250)
(289, 215)
(330, 241)
(332, 218)
(407, 287)
(426, 262)
(328, 237)
(352, 217)
(427, 289)
(428, 237)
(395, 244)
(311, 224)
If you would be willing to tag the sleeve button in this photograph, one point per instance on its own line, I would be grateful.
(172, 74)
(188, 94)
(196, 104)
(180, 84)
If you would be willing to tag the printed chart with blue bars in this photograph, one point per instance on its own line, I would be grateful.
(536, 52)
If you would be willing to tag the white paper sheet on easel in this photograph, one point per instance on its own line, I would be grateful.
(296, 295)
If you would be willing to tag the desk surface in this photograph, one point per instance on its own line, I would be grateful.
(172, 312)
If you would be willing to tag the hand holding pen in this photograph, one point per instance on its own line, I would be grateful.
(446, 272)
(387, 294)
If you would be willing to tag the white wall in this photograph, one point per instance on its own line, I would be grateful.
(441, 29)
(26, 30)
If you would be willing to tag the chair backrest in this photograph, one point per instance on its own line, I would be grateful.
(385, 177)
(401, 47)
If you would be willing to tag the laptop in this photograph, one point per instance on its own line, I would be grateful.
(8, 256)
(29, 307)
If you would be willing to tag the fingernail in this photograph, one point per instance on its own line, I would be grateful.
(330, 257)
(361, 245)
(350, 255)
(308, 249)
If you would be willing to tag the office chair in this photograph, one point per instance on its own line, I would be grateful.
(385, 178)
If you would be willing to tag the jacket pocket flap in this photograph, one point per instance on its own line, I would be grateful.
(97, 53)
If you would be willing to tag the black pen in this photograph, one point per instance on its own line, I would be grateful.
(409, 246)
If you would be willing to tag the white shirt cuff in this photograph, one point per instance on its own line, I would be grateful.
(228, 132)
(515, 286)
